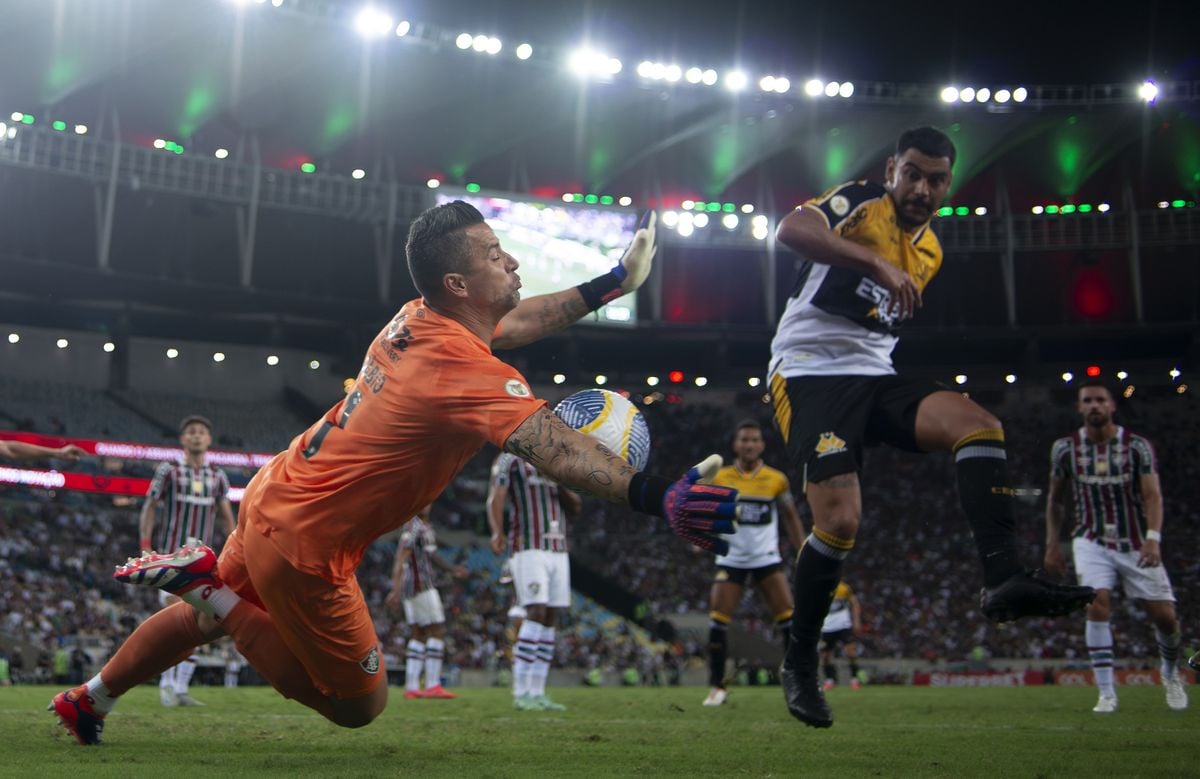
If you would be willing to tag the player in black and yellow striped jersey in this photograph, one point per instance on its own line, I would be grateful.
(867, 254)
(764, 498)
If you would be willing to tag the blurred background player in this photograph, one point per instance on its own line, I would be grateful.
(19, 450)
(1117, 536)
(534, 509)
(868, 253)
(193, 494)
(413, 583)
(842, 627)
(764, 494)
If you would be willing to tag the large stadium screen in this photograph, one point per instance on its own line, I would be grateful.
(559, 245)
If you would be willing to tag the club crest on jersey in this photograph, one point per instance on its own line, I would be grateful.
(839, 205)
(534, 587)
(829, 443)
(517, 389)
(370, 663)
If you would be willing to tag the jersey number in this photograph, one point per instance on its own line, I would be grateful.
(318, 438)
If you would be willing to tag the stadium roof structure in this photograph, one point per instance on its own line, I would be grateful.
(316, 88)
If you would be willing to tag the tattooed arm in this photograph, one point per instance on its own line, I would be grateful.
(570, 457)
(540, 316)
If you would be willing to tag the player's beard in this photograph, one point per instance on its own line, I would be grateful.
(1097, 419)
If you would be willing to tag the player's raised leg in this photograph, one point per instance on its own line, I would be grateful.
(947, 421)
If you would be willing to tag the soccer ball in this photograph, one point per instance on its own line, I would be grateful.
(610, 418)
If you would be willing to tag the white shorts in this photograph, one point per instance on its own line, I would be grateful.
(542, 578)
(1100, 567)
(424, 609)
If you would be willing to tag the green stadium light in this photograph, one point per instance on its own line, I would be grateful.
(472, 187)
(962, 211)
(728, 208)
(578, 198)
(1085, 208)
(590, 199)
(27, 118)
(606, 200)
(712, 207)
(1178, 204)
(1051, 209)
(59, 125)
(308, 167)
(698, 205)
(1067, 209)
(945, 211)
(170, 145)
(178, 149)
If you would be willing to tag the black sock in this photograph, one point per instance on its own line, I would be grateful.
(717, 651)
(784, 626)
(831, 671)
(986, 497)
(818, 571)
(853, 668)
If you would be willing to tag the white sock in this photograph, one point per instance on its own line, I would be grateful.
(183, 676)
(216, 602)
(434, 648)
(102, 699)
(415, 658)
(1100, 647)
(545, 656)
(524, 657)
(166, 680)
(1168, 650)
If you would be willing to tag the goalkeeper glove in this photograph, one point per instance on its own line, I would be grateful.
(639, 257)
(693, 511)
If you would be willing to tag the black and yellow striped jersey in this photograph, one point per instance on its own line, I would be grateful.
(838, 321)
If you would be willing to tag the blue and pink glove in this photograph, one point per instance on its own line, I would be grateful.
(693, 511)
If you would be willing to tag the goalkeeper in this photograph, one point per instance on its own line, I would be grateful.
(429, 395)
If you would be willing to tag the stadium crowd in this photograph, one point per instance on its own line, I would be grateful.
(915, 573)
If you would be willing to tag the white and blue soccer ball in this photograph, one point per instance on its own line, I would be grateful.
(610, 418)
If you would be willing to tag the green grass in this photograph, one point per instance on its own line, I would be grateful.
(880, 731)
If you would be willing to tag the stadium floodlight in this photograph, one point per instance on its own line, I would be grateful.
(463, 41)
(625, 200)
(708, 77)
(652, 381)
(747, 208)
(831, 89)
(358, 173)
(221, 154)
(782, 85)
(403, 28)
(1174, 373)
(1103, 208)
(1067, 376)
(730, 221)
(276, 3)
(736, 80)
(966, 94)
(759, 232)
(109, 346)
(62, 343)
(524, 51)
(754, 381)
(12, 132)
(1037, 209)
(1011, 378)
(673, 73)
(172, 353)
(601, 380)
(559, 378)
(372, 23)
(81, 129)
(645, 69)
(59, 125)
(685, 229)
(982, 95)
(981, 211)
(693, 75)
(433, 183)
(814, 87)
(308, 167)
(670, 218)
(1019, 94)
(846, 89)
(1122, 375)
(17, 116)
(589, 62)
(1148, 91)
(314, 364)
(960, 379)
(218, 356)
(701, 381)
(767, 83)
(14, 338)
(480, 43)
(494, 45)
(687, 205)
(1163, 204)
(159, 143)
(950, 94)
(1003, 95)
(700, 220)
(272, 359)
(567, 197)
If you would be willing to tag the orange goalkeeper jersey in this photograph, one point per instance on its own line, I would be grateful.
(429, 394)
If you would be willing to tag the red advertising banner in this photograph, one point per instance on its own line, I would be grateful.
(124, 450)
(85, 482)
(1083, 678)
(978, 678)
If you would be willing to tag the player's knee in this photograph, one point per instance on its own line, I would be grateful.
(840, 521)
(359, 712)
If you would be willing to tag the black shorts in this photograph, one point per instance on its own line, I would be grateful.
(826, 420)
(835, 638)
(738, 576)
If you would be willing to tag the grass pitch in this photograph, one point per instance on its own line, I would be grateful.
(879, 731)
